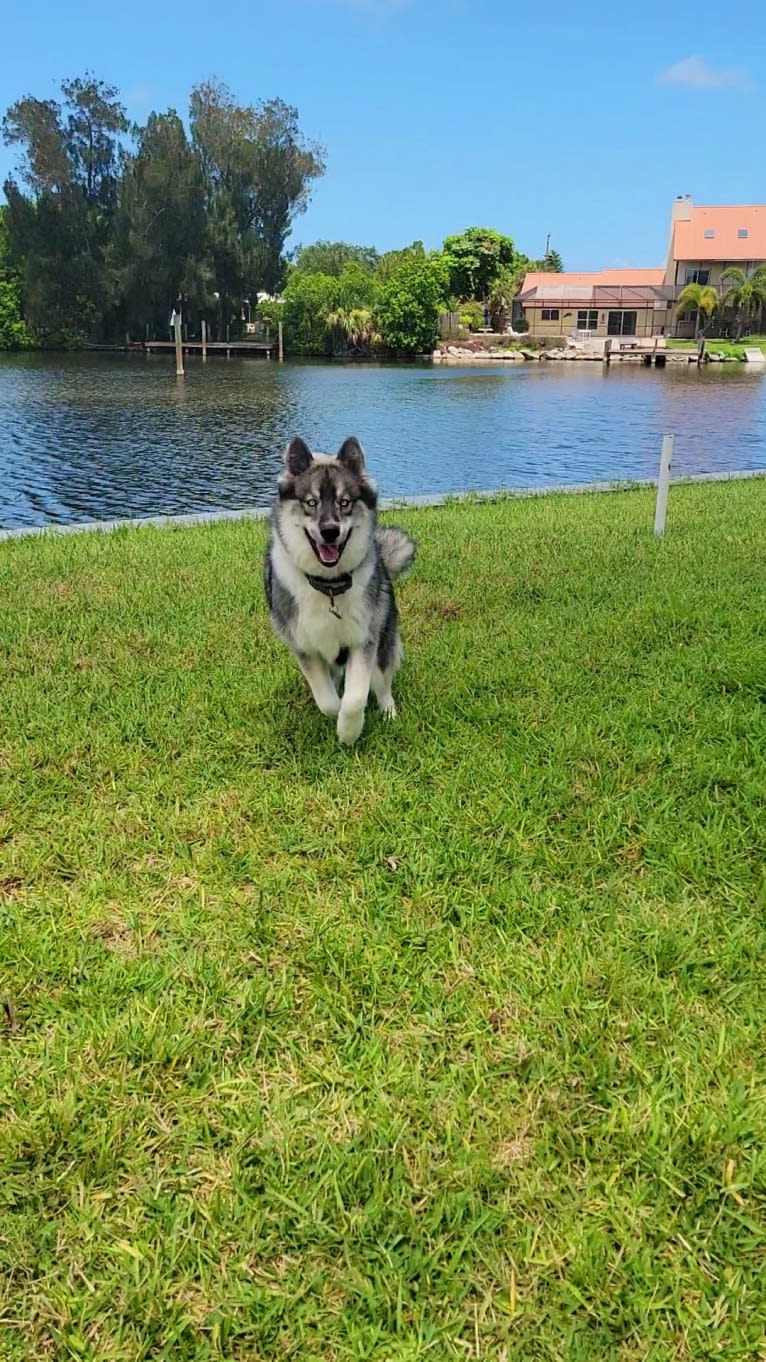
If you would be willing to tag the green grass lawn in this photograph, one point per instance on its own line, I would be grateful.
(723, 347)
(448, 1046)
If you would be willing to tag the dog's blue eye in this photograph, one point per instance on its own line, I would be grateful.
(310, 503)
(344, 503)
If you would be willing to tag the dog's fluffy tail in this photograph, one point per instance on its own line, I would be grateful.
(396, 549)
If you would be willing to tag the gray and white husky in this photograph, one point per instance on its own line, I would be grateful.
(328, 577)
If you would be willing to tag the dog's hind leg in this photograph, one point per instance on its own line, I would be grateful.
(321, 683)
(383, 677)
(381, 687)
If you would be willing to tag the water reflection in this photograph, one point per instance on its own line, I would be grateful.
(94, 437)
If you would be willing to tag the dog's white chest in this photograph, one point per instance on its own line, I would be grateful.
(324, 626)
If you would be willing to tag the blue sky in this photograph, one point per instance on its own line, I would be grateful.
(580, 119)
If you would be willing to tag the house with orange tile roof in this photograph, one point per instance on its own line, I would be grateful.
(704, 242)
(606, 303)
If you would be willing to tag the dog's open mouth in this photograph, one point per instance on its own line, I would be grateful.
(328, 554)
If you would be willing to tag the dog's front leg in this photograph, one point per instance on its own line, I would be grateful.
(355, 692)
(321, 683)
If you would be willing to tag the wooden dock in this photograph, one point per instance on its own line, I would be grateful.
(648, 349)
(227, 348)
(652, 350)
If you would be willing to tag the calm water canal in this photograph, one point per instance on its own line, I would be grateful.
(95, 437)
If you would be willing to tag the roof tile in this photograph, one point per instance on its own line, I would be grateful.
(692, 240)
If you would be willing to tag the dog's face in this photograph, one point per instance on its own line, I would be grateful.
(326, 508)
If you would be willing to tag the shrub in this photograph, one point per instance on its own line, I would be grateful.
(471, 314)
(13, 332)
(410, 303)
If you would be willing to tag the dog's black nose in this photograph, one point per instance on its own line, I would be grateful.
(329, 533)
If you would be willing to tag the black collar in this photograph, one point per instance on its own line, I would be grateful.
(331, 586)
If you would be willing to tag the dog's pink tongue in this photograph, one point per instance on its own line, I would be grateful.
(328, 553)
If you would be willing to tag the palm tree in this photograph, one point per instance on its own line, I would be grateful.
(352, 330)
(337, 327)
(747, 294)
(702, 299)
(363, 329)
(500, 298)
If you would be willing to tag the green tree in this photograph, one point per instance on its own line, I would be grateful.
(332, 257)
(13, 331)
(35, 127)
(474, 259)
(746, 295)
(701, 299)
(103, 240)
(502, 292)
(521, 267)
(357, 287)
(308, 301)
(257, 172)
(61, 274)
(59, 231)
(96, 121)
(551, 262)
(410, 302)
(353, 331)
(159, 248)
(326, 314)
(389, 264)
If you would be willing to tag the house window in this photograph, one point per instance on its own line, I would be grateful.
(742, 233)
(587, 320)
(697, 277)
(550, 314)
(621, 324)
(709, 233)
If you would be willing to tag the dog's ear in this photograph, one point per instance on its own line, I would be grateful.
(351, 455)
(298, 456)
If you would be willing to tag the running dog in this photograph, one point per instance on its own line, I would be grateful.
(328, 574)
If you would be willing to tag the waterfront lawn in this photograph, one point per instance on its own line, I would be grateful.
(450, 1046)
(735, 349)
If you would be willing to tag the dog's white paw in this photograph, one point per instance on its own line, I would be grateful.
(389, 711)
(350, 725)
(330, 706)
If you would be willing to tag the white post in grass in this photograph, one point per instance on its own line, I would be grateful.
(204, 341)
(663, 483)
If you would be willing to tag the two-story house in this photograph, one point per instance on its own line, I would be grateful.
(704, 242)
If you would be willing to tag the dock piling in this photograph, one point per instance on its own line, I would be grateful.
(179, 346)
